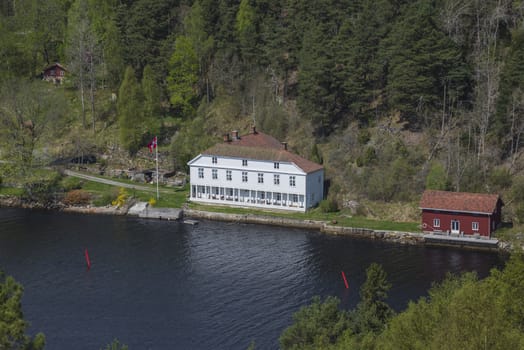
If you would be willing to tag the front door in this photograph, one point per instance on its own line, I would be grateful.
(455, 226)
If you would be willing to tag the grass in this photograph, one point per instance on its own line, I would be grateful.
(11, 191)
(341, 218)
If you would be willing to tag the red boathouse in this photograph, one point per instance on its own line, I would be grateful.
(460, 213)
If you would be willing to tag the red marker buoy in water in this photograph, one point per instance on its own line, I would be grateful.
(88, 262)
(345, 280)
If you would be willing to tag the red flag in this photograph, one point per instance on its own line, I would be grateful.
(152, 145)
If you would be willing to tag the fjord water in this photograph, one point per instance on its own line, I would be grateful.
(167, 285)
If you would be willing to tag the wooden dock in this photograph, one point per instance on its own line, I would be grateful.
(461, 241)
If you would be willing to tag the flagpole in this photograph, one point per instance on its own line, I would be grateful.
(156, 148)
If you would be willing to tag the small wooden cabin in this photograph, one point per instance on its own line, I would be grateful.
(54, 73)
(460, 213)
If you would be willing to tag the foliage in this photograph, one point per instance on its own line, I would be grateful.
(437, 178)
(71, 183)
(41, 186)
(183, 77)
(115, 345)
(121, 199)
(77, 197)
(372, 313)
(152, 201)
(329, 205)
(315, 326)
(12, 323)
(130, 110)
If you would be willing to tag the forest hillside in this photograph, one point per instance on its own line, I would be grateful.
(391, 96)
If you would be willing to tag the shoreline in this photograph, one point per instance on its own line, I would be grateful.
(141, 210)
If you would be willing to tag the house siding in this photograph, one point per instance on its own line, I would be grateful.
(307, 192)
(465, 221)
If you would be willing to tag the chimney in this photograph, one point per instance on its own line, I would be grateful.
(235, 134)
(226, 138)
(284, 145)
(253, 129)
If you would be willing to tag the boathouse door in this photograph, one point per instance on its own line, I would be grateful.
(455, 226)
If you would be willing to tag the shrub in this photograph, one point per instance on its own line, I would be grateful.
(121, 199)
(41, 186)
(329, 205)
(71, 183)
(106, 198)
(152, 202)
(77, 197)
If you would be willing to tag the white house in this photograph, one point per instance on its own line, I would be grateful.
(255, 170)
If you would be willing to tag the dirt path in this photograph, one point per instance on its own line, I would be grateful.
(113, 182)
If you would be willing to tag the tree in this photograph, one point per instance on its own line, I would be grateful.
(421, 62)
(372, 313)
(246, 30)
(130, 112)
(315, 326)
(84, 55)
(30, 115)
(202, 42)
(115, 345)
(152, 101)
(12, 323)
(183, 77)
(437, 177)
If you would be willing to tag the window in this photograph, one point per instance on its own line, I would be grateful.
(276, 179)
(214, 160)
(215, 174)
(228, 175)
(475, 226)
(244, 162)
(244, 176)
(276, 165)
(278, 197)
(436, 223)
(200, 173)
(292, 181)
(294, 198)
(260, 178)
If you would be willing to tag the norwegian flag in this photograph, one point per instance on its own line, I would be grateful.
(152, 145)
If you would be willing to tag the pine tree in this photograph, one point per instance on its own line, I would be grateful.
(130, 113)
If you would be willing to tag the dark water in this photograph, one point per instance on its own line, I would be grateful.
(166, 285)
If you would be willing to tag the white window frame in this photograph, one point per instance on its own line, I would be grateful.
(214, 173)
(244, 176)
(214, 160)
(244, 162)
(276, 179)
(475, 226)
(260, 178)
(436, 223)
(200, 173)
(229, 175)
(292, 181)
(276, 165)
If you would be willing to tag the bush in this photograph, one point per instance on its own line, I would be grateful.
(329, 205)
(72, 183)
(41, 186)
(121, 198)
(77, 197)
(106, 198)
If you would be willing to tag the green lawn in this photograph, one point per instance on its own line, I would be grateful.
(341, 218)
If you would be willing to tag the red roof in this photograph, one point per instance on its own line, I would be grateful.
(261, 146)
(54, 65)
(459, 201)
